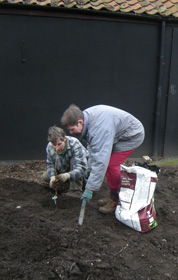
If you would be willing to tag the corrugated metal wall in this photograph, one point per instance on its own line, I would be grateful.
(48, 63)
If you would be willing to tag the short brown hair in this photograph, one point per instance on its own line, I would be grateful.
(71, 116)
(55, 133)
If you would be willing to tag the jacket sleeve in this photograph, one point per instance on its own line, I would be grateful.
(79, 156)
(50, 163)
(100, 148)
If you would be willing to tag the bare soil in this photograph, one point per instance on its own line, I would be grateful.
(39, 240)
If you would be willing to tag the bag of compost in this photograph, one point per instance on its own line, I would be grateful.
(136, 197)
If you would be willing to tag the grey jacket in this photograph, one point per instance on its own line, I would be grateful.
(107, 130)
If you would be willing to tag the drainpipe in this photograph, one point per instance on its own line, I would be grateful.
(160, 89)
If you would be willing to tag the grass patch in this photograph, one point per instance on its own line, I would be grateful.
(173, 163)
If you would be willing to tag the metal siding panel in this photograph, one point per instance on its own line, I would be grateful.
(171, 147)
(48, 63)
(163, 115)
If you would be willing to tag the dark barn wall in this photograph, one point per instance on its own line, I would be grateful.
(48, 63)
(171, 135)
(165, 91)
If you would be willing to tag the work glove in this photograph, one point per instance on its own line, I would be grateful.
(63, 177)
(87, 195)
(52, 181)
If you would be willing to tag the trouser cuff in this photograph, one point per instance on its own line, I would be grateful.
(114, 195)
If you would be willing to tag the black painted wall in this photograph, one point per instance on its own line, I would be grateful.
(48, 63)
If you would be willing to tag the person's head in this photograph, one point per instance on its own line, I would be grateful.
(73, 119)
(57, 137)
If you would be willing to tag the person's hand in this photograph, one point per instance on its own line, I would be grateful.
(52, 181)
(63, 177)
(87, 195)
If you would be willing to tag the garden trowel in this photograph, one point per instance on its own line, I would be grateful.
(82, 212)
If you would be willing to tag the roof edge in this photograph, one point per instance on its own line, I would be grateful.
(34, 9)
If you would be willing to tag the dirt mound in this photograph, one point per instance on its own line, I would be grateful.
(41, 241)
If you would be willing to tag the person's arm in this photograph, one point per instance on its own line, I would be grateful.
(50, 161)
(100, 152)
(79, 155)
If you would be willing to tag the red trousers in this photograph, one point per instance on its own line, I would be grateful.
(113, 170)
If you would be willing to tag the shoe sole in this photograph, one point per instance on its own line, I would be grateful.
(104, 212)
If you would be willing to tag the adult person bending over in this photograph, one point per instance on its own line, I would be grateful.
(66, 162)
(112, 136)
